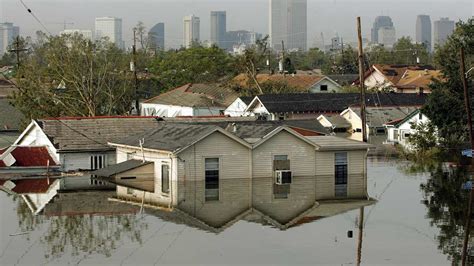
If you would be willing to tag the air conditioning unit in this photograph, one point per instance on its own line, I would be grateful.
(283, 177)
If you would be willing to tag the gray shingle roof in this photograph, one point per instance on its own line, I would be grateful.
(327, 143)
(93, 133)
(378, 117)
(169, 136)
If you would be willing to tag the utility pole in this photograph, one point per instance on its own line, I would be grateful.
(134, 69)
(17, 51)
(467, 102)
(361, 82)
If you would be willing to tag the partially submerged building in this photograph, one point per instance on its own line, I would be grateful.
(202, 169)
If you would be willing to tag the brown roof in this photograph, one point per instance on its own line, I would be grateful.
(419, 78)
(30, 157)
(197, 95)
(394, 73)
(300, 81)
(93, 133)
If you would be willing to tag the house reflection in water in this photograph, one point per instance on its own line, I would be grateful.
(215, 177)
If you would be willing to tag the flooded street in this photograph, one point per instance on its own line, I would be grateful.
(87, 229)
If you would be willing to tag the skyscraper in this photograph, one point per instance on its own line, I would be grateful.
(442, 29)
(380, 21)
(387, 36)
(423, 31)
(110, 28)
(156, 36)
(191, 30)
(218, 29)
(288, 23)
(8, 33)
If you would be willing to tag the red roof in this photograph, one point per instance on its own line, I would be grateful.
(305, 132)
(31, 157)
(27, 186)
(2, 181)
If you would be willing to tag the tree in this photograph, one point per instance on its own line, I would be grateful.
(71, 76)
(445, 105)
(252, 61)
(141, 36)
(193, 65)
(345, 62)
(424, 139)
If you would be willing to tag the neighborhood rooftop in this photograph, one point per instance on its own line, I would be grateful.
(334, 102)
(196, 95)
(72, 134)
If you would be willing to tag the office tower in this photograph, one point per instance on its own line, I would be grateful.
(442, 29)
(238, 37)
(218, 29)
(423, 31)
(87, 34)
(156, 36)
(191, 30)
(288, 24)
(8, 34)
(387, 36)
(110, 28)
(380, 21)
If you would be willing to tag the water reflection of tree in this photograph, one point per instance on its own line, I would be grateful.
(82, 233)
(447, 206)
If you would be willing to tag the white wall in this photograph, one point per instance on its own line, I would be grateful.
(153, 109)
(236, 109)
(404, 129)
(376, 80)
(332, 87)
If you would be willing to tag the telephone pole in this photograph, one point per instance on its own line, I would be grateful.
(361, 81)
(17, 51)
(134, 69)
(467, 102)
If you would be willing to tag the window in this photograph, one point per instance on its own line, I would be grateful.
(324, 87)
(128, 178)
(282, 181)
(340, 162)
(380, 130)
(358, 130)
(97, 162)
(406, 135)
(165, 178)
(212, 179)
(420, 116)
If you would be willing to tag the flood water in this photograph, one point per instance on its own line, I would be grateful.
(417, 220)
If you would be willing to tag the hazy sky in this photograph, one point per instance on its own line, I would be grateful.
(327, 16)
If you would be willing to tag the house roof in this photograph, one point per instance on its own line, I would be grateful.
(72, 134)
(30, 157)
(32, 186)
(173, 137)
(337, 121)
(394, 73)
(419, 78)
(196, 95)
(10, 118)
(119, 168)
(332, 102)
(399, 122)
(329, 143)
(302, 82)
(246, 99)
(378, 117)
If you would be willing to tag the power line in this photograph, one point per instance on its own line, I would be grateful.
(35, 17)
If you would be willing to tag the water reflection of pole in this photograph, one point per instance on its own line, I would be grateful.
(361, 234)
(467, 101)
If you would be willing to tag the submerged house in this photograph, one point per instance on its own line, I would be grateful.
(190, 100)
(399, 131)
(199, 168)
(78, 144)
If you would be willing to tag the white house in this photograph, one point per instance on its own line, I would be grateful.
(237, 107)
(398, 131)
(190, 100)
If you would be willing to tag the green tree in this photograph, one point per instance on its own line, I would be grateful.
(71, 76)
(193, 65)
(445, 105)
(252, 61)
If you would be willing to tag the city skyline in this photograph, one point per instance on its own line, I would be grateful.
(320, 16)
